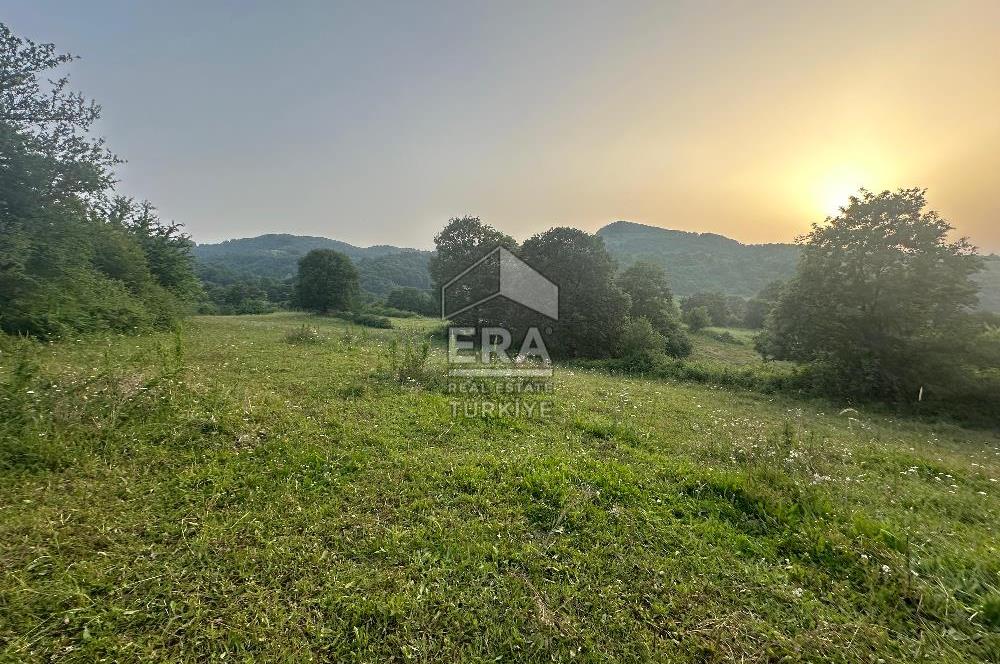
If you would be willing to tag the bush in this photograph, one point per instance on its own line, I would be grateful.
(678, 344)
(390, 312)
(697, 319)
(370, 320)
(724, 336)
(305, 334)
(640, 345)
(408, 361)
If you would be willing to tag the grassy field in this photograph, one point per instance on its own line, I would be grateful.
(229, 493)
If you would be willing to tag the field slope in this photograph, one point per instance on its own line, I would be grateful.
(225, 494)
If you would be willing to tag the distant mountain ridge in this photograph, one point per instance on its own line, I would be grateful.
(705, 262)
(381, 268)
(695, 262)
(701, 262)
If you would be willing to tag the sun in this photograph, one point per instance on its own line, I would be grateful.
(834, 191)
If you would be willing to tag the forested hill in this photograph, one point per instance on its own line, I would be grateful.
(381, 268)
(696, 262)
(701, 262)
(706, 262)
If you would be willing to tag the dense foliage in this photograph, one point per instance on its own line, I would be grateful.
(989, 284)
(760, 306)
(462, 243)
(723, 310)
(881, 302)
(592, 307)
(650, 299)
(327, 281)
(697, 318)
(414, 300)
(701, 262)
(73, 257)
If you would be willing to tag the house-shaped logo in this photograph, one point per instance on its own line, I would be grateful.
(500, 274)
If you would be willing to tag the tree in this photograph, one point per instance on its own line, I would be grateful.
(327, 281)
(718, 306)
(697, 319)
(649, 295)
(880, 299)
(759, 306)
(462, 242)
(51, 119)
(592, 308)
(650, 299)
(412, 299)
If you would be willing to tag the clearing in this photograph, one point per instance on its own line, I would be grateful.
(227, 493)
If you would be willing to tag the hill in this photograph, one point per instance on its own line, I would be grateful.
(701, 262)
(696, 262)
(705, 262)
(275, 256)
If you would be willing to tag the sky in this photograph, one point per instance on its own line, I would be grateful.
(374, 123)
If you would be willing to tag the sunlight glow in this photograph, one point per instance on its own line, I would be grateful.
(833, 192)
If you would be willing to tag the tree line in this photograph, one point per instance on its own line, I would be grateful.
(881, 305)
(73, 255)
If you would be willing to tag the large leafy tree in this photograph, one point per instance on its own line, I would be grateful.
(649, 294)
(592, 307)
(463, 242)
(881, 297)
(327, 281)
(51, 121)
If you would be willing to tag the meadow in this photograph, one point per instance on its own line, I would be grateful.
(294, 488)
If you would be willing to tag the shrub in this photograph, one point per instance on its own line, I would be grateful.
(677, 342)
(640, 345)
(305, 334)
(724, 336)
(697, 319)
(408, 361)
(390, 312)
(371, 320)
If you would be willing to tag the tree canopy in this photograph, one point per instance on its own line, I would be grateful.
(881, 297)
(327, 281)
(73, 256)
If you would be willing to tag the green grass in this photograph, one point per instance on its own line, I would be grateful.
(224, 494)
(711, 350)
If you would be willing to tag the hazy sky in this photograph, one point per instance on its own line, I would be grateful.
(375, 123)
